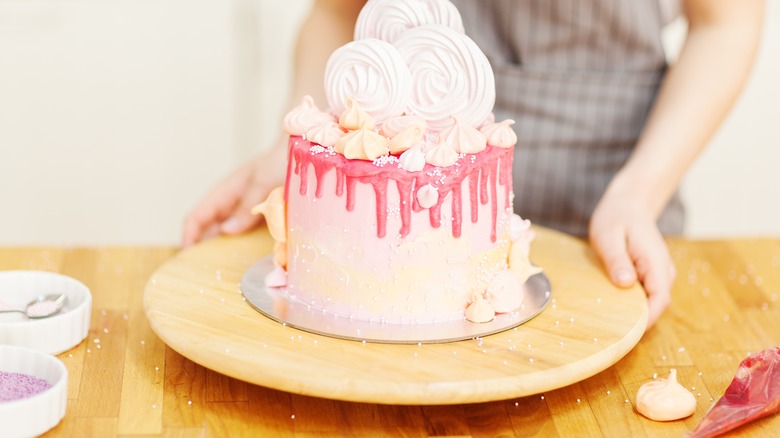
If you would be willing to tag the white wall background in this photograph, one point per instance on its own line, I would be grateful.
(116, 116)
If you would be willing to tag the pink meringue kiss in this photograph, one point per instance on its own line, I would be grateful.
(665, 399)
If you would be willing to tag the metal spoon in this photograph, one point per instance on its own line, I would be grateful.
(43, 306)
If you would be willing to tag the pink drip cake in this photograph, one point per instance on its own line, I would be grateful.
(397, 207)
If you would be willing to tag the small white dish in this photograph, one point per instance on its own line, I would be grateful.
(37, 413)
(54, 334)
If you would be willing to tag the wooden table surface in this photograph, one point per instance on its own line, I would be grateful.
(124, 381)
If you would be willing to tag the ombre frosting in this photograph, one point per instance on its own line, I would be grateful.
(375, 241)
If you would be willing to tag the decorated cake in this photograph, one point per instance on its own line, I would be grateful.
(397, 206)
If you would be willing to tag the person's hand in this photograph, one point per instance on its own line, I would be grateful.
(624, 234)
(227, 208)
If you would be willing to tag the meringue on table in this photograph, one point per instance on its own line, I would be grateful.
(665, 399)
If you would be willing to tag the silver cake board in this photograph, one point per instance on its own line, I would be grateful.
(276, 304)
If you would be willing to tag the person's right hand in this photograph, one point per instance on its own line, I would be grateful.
(227, 208)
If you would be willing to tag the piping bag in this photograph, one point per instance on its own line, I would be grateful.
(754, 393)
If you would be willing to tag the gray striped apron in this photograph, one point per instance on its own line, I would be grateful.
(579, 77)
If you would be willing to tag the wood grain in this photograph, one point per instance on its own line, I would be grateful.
(588, 326)
(706, 332)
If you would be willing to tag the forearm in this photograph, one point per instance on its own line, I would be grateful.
(696, 96)
(330, 25)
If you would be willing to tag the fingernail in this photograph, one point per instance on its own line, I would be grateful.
(623, 276)
(232, 225)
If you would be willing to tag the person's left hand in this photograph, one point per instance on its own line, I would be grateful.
(624, 234)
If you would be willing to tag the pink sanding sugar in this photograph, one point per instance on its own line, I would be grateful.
(16, 386)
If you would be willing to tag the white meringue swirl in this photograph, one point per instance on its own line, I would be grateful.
(445, 13)
(387, 19)
(371, 72)
(451, 76)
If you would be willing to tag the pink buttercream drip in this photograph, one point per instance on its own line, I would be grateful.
(482, 169)
(494, 196)
(505, 178)
(473, 187)
(339, 182)
(405, 190)
(290, 163)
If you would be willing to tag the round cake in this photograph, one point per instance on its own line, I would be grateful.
(397, 206)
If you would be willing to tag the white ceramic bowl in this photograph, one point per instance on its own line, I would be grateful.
(33, 415)
(54, 334)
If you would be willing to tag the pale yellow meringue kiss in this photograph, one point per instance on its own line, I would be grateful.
(280, 254)
(479, 310)
(518, 227)
(522, 236)
(273, 210)
(355, 118)
(665, 399)
(363, 144)
(405, 139)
